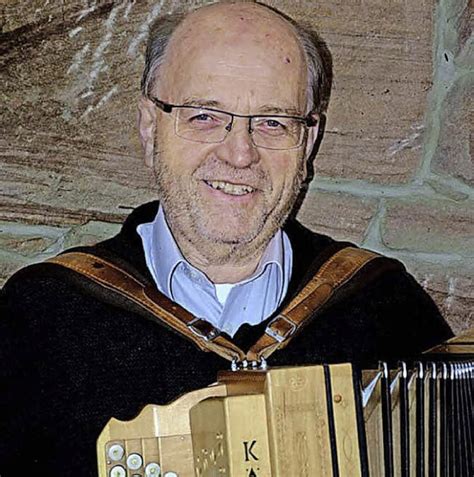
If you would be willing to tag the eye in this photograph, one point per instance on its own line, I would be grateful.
(273, 124)
(203, 120)
(202, 117)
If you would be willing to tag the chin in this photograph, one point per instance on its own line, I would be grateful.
(239, 228)
(230, 230)
(228, 237)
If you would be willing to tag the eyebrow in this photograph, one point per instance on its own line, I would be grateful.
(265, 109)
(269, 109)
(210, 103)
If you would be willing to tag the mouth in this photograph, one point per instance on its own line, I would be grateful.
(229, 188)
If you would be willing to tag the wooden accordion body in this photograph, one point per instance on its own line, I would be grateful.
(314, 421)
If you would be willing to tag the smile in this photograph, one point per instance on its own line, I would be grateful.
(231, 189)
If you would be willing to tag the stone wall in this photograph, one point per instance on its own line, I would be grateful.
(394, 172)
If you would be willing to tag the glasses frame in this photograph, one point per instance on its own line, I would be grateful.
(308, 120)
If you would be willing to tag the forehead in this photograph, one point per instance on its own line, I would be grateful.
(237, 54)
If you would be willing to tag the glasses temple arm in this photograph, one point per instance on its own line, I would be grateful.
(165, 107)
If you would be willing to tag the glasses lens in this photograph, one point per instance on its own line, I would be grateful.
(202, 125)
(277, 132)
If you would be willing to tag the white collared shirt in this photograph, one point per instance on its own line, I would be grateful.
(225, 306)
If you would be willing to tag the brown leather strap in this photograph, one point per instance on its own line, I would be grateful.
(112, 277)
(335, 272)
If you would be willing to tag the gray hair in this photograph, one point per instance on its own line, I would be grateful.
(317, 56)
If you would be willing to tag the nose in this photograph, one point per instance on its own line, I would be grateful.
(237, 148)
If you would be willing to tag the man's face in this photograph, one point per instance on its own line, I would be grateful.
(230, 193)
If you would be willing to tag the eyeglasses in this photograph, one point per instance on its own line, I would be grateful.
(209, 125)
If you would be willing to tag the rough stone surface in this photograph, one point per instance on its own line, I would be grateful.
(429, 226)
(339, 215)
(67, 148)
(453, 155)
(29, 240)
(22, 244)
(25, 245)
(451, 286)
(458, 32)
(90, 233)
(382, 73)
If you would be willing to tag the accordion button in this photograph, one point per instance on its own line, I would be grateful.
(117, 471)
(152, 470)
(170, 474)
(116, 452)
(134, 461)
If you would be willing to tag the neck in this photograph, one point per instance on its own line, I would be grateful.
(225, 264)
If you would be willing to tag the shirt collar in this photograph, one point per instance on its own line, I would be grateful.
(163, 255)
(273, 255)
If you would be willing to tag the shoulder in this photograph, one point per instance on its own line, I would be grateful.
(41, 299)
(305, 240)
(396, 310)
(312, 250)
(382, 299)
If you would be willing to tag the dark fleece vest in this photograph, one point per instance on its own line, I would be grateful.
(72, 357)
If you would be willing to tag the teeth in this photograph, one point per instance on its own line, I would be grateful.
(232, 189)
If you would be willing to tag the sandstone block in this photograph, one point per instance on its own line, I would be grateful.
(453, 154)
(431, 226)
(25, 245)
(69, 146)
(342, 216)
(451, 285)
(90, 233)
(29, 240)
(457, 36)
(382, 73)
(22, 244)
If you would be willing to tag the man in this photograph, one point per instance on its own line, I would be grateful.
(231, 104)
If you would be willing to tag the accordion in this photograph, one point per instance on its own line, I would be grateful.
(316, 421)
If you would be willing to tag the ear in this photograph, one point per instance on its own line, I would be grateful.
(310, 142)
(312, 136)
(147, 128)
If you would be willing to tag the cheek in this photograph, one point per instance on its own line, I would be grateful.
(180, 155)
(164, 139)
(283, 170)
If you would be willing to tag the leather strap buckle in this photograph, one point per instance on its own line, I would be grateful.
(203, 329)
(281, 328)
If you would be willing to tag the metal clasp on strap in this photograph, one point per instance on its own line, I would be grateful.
(280, 328)
(203, 329)
(244, 365)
